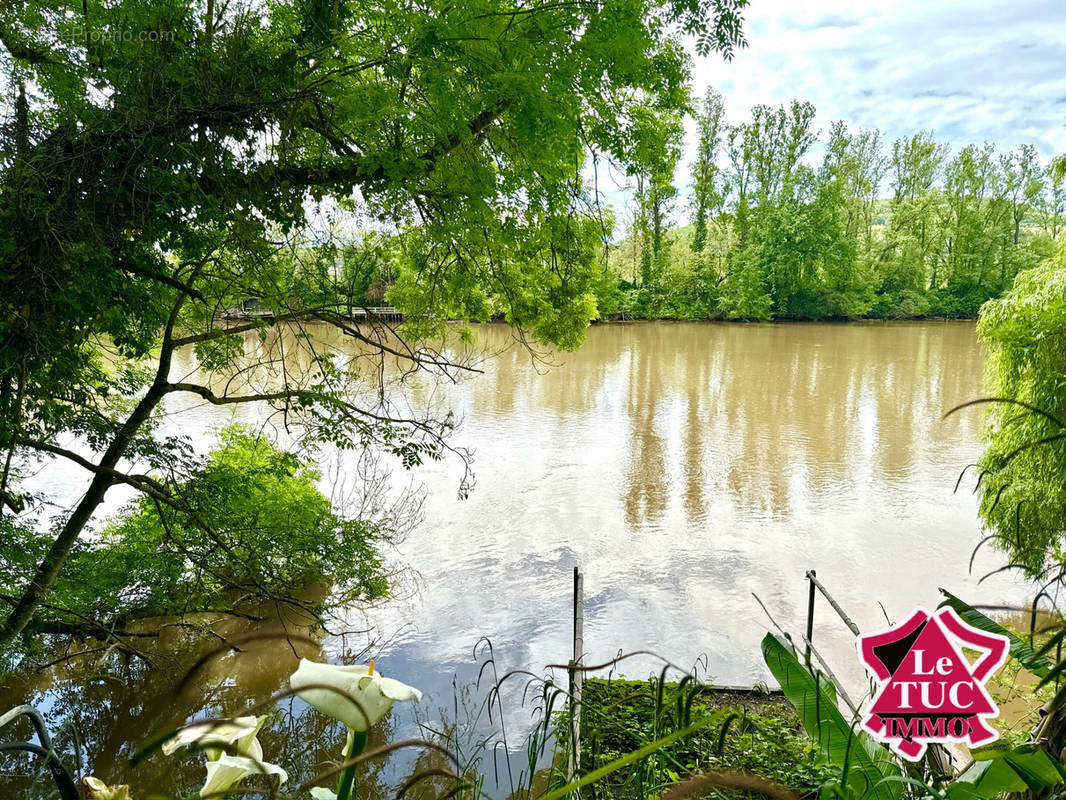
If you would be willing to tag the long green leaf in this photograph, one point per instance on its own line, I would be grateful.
(1025, 654)
(1020, 770)
(815, 700)
(960, 790)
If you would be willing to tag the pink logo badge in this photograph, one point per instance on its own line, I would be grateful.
(927, 689)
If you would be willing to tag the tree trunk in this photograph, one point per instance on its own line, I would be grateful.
(48, 569)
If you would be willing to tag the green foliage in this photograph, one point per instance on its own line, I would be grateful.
(772, 238)
(707, 189)
(167, 161)
(253, 528)
(761, 737)
(745, 294)
(1023, 769)
(866, 763)
(1032, 650)
(869, 770)
(1023, 494)
(655, 195)
(1020, 650)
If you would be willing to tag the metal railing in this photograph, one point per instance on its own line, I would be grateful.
(939, 758)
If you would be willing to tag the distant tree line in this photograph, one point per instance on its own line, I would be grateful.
(883, 230)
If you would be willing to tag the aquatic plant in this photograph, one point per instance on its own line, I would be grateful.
(217, 738)
(354, 695)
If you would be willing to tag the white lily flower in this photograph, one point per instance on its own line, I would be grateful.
(322, 793)
(92, 788)
(362, 696)
(224, 770)
(239, 733)
(227, 771)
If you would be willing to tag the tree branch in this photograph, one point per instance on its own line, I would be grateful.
(163, 278)
(143, 483)
(222, 400)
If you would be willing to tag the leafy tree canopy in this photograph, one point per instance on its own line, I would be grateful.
(907, 230)
(161, 161)
(252, 527)
(1023, 494)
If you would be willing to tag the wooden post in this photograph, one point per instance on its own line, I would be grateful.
(576, 676)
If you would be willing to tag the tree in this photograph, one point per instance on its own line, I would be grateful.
(252, 526)
(655, 190)
(977, 260)
(1023, 494)
(1024, 184)
(853, 171)
(744, 291)
(801, 250)
(907, 262)
(1052, 202)
(707, 193)
(739, 144)
(772, 261)
(165, 160)
(771, 237)
(778, 138)
(640, 232)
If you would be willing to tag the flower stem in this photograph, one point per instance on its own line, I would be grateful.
(347, 781)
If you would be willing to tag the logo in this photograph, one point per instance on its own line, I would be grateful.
(928, 691)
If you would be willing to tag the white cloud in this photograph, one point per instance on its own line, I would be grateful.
(969, 71)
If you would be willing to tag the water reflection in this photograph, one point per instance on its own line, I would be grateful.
(683, 467)
(102, 711)
(774, 415)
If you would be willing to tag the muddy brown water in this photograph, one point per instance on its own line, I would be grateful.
(682, 466)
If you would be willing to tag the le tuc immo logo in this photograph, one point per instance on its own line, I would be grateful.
(928, 689)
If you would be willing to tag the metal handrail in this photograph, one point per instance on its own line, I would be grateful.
(939, 758)
(812, 576)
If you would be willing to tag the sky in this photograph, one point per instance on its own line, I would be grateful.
(969, 70)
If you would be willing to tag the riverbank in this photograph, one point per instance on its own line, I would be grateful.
(759, 734)
(621, 319)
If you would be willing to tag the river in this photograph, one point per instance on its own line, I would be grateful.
(683, 467)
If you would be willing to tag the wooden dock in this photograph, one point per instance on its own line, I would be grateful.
(248, 311)
(388, 313)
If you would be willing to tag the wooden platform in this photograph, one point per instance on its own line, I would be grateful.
(384, 313)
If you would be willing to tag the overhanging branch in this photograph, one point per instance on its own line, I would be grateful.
(143, 483)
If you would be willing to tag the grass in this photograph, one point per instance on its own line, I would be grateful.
(759, 734)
